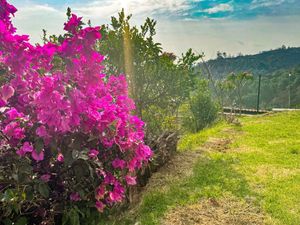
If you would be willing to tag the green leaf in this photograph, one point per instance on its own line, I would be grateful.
(39, 145)
(53, 146)
(74, 217)
(68, 157)
(16, 207)
(24, 172)
(8, 195)
(23, 195)
(7, 222)
(44, 189)
(25, 168)
(81, 169)
(65, 219)
(21, 221)
(29, 193)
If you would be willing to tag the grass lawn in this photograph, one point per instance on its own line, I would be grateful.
(258, 162)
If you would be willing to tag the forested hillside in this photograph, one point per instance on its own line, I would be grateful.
(280, 72)
(263, 63)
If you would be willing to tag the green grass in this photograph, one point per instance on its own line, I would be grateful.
(270, 162)
(192, 141)
(263, 163)
(213, 177)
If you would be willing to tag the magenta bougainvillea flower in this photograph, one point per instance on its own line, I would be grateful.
(75, 197)
(37, 156)
(118, 163)
(130, 180)
(55, 94)
(60, 158)
(73, 23)
(26, 148)
(99, 206)
(93, 153)
(7, 92)
(45, 177)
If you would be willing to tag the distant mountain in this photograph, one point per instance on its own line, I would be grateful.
(263, 63)
(278, 89)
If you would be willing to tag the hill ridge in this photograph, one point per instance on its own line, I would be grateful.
(265, 62)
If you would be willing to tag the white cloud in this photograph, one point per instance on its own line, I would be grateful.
(205, 35)
(32, 18)
(103, 9)
(219, 8)
(265, 3)
(38, 9)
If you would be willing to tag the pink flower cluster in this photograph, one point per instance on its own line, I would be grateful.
(55, 90)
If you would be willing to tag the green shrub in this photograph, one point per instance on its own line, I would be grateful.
(200, 111)
(159, 120)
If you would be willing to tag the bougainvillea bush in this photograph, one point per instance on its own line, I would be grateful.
(69, 139)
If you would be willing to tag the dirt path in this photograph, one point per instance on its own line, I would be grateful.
(182, 163)
(178, 167)
(225, 211)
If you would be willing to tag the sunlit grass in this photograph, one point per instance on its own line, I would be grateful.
(262, 163)
(193, 141)
(212, 178)
(272, 163)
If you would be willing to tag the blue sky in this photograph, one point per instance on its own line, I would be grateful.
(239, 9)
(234, 26)
(244, 9)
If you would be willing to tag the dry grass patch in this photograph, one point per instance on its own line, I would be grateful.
(266, 171)
(225, 211)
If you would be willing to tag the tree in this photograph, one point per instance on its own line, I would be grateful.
(236, 82)
(158, 82)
